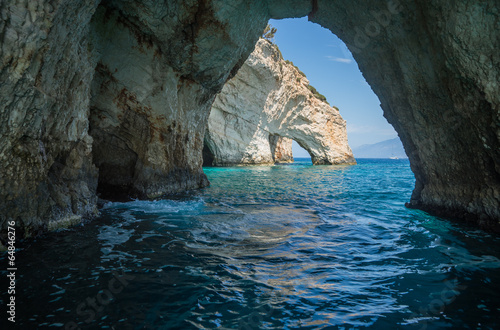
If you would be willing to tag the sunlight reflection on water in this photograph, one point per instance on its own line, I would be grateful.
(271, 247)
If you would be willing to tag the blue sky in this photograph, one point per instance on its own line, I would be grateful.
(330, 68)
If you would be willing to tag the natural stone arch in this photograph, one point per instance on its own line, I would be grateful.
(433, 64)
(271, 97)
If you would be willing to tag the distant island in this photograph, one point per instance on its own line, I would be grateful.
(392, 148)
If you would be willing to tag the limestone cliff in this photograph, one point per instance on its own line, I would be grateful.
(141, 75)
(266, 99)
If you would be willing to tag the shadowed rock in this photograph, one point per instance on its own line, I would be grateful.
(143, 74)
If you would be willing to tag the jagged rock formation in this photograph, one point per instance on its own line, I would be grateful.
(151, 69)
(269, 97)
(143, 118)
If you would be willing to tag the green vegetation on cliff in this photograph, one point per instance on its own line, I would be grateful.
(318, 95)
(268, 34)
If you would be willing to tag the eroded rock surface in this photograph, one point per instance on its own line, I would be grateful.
(434, 64)
(140, 76)
(435, 67)
(156, 78)
(46, 171)
(269, 98)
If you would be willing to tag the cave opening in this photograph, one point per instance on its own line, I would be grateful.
(208, 156)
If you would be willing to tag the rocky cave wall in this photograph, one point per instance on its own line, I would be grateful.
(270, 97)
(139, 76)
(156, 78)
(46, 170)
(434, 65)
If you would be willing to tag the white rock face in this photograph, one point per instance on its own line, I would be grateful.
(269, 97)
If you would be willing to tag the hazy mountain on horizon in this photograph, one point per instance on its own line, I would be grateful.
(385, 149)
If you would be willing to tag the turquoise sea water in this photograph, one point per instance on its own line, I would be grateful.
(281, 247)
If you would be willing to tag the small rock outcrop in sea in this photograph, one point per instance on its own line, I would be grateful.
(113, 97)
(270, 98)
(281, 149)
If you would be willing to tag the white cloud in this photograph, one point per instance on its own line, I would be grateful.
(339, 59)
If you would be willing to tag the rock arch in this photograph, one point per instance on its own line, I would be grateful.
(433, 64)
(270, 97)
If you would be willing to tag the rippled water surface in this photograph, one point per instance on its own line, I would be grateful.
(281, 247)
